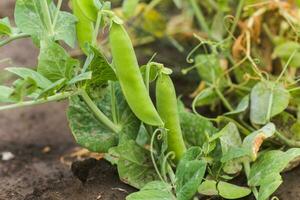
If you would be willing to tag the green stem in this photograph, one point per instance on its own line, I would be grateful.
(113, 102)
(224, 100)
(97, 27)
(237, 16)
(200, 17)
(47, 16)
(246, 165)
(13, 37)
(244, 130)
(98, 113)
(56, 97)
(56, 13)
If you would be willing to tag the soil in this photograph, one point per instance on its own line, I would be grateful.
(39, 138)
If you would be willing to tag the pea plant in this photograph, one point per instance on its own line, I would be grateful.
(161, 147)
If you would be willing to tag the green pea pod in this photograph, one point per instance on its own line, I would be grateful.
(129, 7)
(88, 9)
(131, 80)
(84, 27)
(166, 104)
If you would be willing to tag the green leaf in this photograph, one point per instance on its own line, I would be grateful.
(5, 27)
(189, 174)
(209, 69)
(230, 139)
(242, 106)
(101, 70)
(129, 7)
(194, 127)
(55, 63)
(230, 191)
(31, 19)
(24, 73)
(51, 89)
(207, 96)
(253, 141)
(267, 100)
(5, 93)
(269, 164)
(92, 134)
(265, 172)
(155, 190)
(23, 88)
(286, 49)
(81, 77)
(208, 187)
(134, 164)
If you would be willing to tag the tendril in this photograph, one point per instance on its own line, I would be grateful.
(170, 155)
(156, 134)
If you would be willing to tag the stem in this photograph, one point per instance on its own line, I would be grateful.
(56, 13)
(113, 102)
(98, 113)
(224, 100)
(13, 37)
(97, 27)
(246, 165)
(200, 17)
(56, 97)
(244, 130)
(237, 16)
(47, 16)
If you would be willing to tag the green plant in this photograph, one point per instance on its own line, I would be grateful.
(166, 151)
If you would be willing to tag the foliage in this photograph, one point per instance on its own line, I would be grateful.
(246, 67)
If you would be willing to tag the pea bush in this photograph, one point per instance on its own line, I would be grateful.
(164, 148)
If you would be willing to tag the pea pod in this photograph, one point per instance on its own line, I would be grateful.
(88, 8)
(84, 27)
(166, 104)
(130, 78)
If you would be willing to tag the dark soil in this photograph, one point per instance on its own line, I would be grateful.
(39, 137)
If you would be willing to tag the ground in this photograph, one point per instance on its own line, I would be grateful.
(39, 139)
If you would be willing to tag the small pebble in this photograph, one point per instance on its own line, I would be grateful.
(6, 156)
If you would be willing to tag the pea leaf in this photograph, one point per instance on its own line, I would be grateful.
(229, 139)
(286, 49)
(92, 134)
(209, 69)
(206, 97)
(265, 172)
(189, 174)
(155, 190)
(134, 164)
(194, 127)
(230, 191)
(54, 62)
(208, 187)
(5, 27)
(267, 100)
(242, 106)
(51, 89)
(30, 17)
(5, 93)
(101, 69)
(253, 141)
(81, 77)
(24, 73)
(23, 88)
